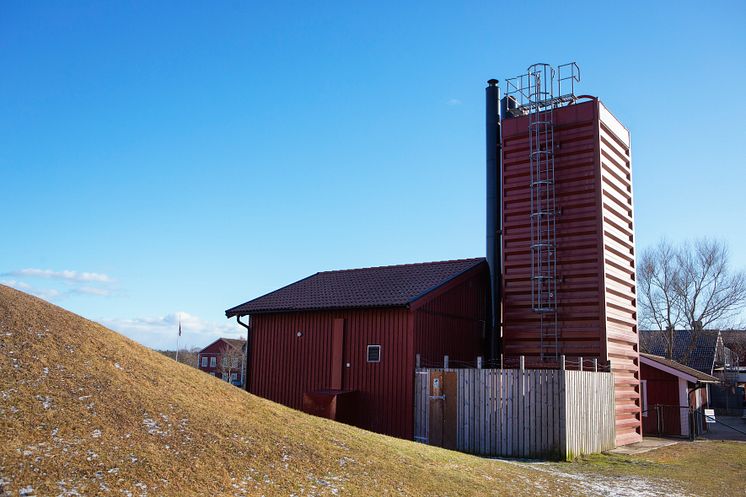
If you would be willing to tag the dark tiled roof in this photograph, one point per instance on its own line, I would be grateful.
(700, 355)
(385, 286)
(703, 377)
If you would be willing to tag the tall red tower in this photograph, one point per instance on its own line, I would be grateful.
(567, 234)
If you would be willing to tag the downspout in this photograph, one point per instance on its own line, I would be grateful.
(494, 212)
(245, 364)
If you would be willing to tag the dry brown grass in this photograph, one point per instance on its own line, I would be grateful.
(702, 468)
(86, 411)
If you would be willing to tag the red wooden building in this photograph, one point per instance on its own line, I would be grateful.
(345, 343)
(669, 390)
(223, 358)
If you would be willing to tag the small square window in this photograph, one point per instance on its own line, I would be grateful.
(204, 361)
(374, 353)
(213, 361)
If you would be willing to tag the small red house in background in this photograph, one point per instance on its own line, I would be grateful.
(224, 358)
(345, 343)
(669, 391)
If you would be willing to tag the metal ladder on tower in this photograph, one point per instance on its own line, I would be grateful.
(536, 99)
(543, 206)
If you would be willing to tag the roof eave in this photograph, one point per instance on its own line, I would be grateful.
(315, 309)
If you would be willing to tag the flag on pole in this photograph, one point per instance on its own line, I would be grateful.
(177, 340)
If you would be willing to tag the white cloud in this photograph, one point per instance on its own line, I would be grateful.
(60, 284)
(66, 275)
(19, 285)
(161, 332)
(454, 101)
(43, 293)
(91, 290)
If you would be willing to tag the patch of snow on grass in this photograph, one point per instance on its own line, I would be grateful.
(606, 486)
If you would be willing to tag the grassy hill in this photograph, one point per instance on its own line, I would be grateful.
(84, 409)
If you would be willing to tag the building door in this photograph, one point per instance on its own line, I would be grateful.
(338, 333)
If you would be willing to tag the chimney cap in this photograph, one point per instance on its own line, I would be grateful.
(493, 82)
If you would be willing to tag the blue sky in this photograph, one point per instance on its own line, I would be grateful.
(182, 157)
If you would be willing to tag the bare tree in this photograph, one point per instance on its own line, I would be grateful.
(658, 275)
(657, 280)
(709, 293)
(231, 361)
(187, 356)
(691, 285)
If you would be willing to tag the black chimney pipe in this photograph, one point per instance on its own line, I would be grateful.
(494, 212)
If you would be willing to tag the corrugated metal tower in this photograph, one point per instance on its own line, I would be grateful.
(567, 235)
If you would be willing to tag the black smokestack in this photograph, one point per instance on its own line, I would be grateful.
(494, 211)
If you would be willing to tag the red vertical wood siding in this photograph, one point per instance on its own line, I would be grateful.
(285, 365)
(450, 320)
(454, 323)
(595, 249)
(662, 389)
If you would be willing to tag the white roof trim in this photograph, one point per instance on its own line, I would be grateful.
(670, 370)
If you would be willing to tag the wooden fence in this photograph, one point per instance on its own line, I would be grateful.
(527, 413)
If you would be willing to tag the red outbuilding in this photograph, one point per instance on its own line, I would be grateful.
(673, 396)
(345, 344)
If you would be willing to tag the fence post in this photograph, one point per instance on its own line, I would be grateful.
(523, 363)
(502, 365)
(692, 435)
(562, 362)
(445, 362)
(479, 362)
(580, 361)
(595, 365)
(417, 361)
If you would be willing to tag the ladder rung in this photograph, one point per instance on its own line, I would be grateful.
(545, 310)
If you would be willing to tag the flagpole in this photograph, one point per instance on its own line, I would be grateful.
(177, 340)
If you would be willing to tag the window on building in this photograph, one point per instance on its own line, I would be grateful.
(644, 397)
(213, 361)
(374, 353)
(224, 361)
(234, 377)
(225, 376)
(204, 361)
